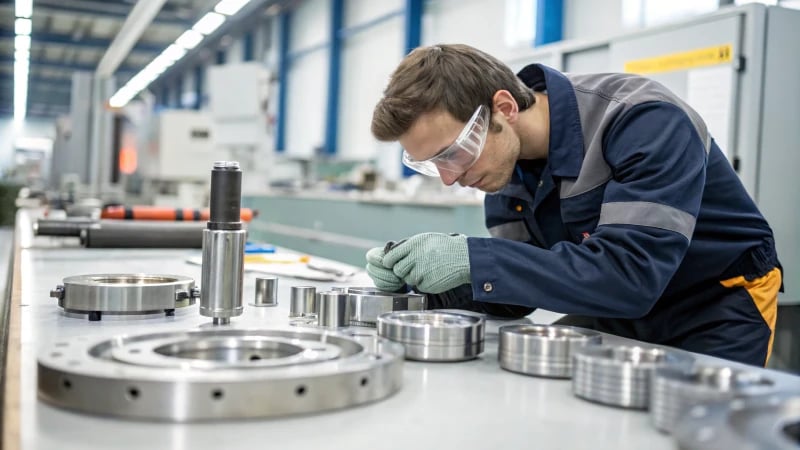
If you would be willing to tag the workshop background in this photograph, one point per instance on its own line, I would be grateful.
(131, 102)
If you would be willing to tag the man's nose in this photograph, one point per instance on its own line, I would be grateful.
(448, 178)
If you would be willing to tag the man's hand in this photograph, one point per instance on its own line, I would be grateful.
(383, 277)
(433, 262)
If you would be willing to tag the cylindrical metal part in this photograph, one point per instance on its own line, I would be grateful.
(619, 375)
(222, 273)
(266, 292)
(62, 227)
(334, 309)
(142, 234)
(226, 193)
(367, 303)
(675, 390)
(434, 335)
(303, 301)
(223, 246)
(542, 350)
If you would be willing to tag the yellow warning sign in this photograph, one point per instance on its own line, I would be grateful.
(710, 56)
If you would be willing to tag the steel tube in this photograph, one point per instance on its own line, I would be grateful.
(334, 309)
(303, 301)
(266, 292)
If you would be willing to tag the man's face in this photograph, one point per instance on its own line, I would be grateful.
(435, 131)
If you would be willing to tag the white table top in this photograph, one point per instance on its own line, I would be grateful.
(472, 404)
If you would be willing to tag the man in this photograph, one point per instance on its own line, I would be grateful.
(609, 200)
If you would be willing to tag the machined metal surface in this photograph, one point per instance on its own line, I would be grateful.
(303, 301)
(218, 373)
(675, 390)
(124, 293)
(764, 422)
(334, 309)
(542, 350)
(367, 303)
(223, 246)
(619, 375)
(141, 234)
(266, 292)
(434, 335)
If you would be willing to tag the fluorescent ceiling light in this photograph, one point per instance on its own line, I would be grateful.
(22, 43)
(23, 8)
(189, 39)
(173, 53)
(22, 55)
(23, 26)
(230, 7)
(209, 23)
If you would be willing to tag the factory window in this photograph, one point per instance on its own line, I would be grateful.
(520, 29)
(647, 13)
(793, 4)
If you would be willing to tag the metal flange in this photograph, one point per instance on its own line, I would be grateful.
(434, 335)
(367, 303)
(675, 390)
(542, 350)
(620, 375)
(767, 422)
(219, 373)
(121, 293)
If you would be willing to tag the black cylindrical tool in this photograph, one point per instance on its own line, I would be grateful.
(226, 196)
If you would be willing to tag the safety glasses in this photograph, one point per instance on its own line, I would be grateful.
(461, 154)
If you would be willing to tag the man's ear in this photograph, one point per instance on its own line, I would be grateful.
(503, 103)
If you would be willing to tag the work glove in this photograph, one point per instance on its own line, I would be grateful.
(433, 262)
(382, 276)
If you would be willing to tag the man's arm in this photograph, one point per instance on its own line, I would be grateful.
(647, 218)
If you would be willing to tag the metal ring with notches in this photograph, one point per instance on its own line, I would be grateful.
(219, 373)
(542, 350)
(762, 422)
(435, 335)
(675, 389)
(619, 375)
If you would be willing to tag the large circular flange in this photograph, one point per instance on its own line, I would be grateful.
(542, 350)
(117, 293)
(675, 390)
(619, 375)
(765, 422)
(434, 335)
(367, 303)
(241, 373)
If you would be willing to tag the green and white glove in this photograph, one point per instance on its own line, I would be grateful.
(433, 262)
(382, 276)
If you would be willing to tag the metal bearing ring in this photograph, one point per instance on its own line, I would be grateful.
(434, 335)
(542, 350)
(619, 375)
(367, 303)
(219, 373)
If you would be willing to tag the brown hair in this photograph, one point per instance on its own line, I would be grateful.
(456, 78)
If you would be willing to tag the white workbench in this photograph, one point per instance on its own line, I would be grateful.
(467, 405)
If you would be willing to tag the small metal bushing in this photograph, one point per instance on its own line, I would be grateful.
(334, 309)
(266, 292)
(303, 301)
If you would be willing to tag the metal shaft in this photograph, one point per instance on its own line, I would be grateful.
(223, 246)
(142, 234)
(334, 309)
(303, 301)
(266, 292)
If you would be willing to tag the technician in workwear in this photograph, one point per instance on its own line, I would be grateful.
(608, 201)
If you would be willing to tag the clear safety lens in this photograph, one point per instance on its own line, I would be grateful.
(461, 154)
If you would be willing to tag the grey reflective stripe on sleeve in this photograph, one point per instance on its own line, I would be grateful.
(516, 231)
(649, 215)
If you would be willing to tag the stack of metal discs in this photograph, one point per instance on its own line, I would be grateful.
(675, 390)
(542, 350)
(619, 375)
(763, 422)
(434, 335)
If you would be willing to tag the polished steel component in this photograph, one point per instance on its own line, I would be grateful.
(676, 389)
(266, 292)
(542, 350)
(334, 309)
(62, 227)
(218, 373)
(434, 335)
(619, 375)
(142, 234)
(763, 422)
(223, 246)
(124, 293)
(303, 301)
(367, 303)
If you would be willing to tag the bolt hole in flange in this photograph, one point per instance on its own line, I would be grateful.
(66, 384)
(300, 391)
(792, 431)
(133, 393)
(217, 394)
(364, 381)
